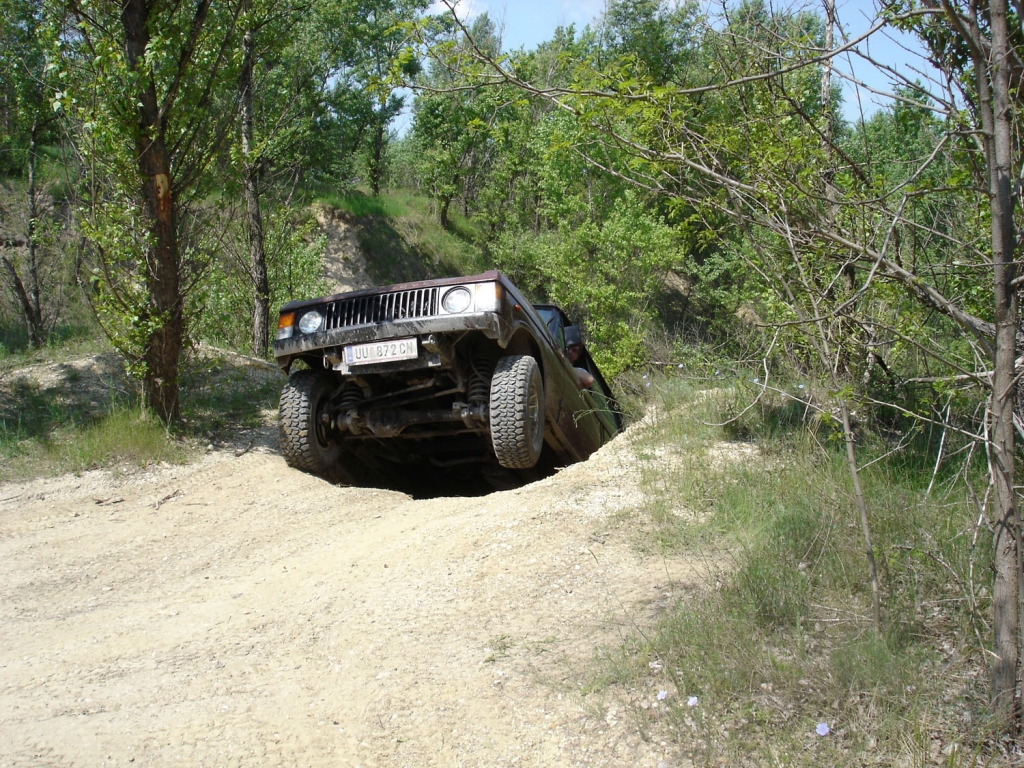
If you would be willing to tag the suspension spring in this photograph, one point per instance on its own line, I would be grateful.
(351, 396)
(479, 386)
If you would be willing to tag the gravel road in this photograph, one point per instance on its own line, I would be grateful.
(235, 612)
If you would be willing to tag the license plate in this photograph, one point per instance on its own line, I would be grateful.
(381, 351)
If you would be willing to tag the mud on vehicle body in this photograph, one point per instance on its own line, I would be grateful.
(447, 372)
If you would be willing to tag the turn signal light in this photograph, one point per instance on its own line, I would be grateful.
(285, 325)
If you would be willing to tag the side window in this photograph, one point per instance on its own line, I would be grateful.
(556, 330)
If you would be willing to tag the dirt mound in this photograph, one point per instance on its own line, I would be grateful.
(236, 612)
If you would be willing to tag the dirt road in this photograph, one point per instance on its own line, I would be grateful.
(236, 612)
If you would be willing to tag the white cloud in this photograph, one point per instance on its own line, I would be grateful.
(582, 11)
(467, 10)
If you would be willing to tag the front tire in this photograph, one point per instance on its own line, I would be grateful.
(517, 412)
(306, 441)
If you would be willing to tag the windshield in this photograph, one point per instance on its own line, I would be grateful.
(552, 318)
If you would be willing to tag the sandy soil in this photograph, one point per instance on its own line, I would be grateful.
(344, 260)
(234, 611)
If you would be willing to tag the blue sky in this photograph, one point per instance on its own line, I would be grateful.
(526, 23)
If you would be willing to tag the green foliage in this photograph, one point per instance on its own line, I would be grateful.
(25, 112)
(118, 282)
(660, 38)
(222, 305)
(603, 276)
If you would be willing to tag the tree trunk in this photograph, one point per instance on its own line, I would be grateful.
(33, 308)
(999, 149)
(20, 294)
(443, 213)
(252, 165)
(377, 157)
(27, 292)
(162, 346)
(865, 527)
(826, 72)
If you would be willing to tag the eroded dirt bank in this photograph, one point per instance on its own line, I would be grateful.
(236, 612)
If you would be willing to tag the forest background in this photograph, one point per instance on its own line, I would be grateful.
(682, 178)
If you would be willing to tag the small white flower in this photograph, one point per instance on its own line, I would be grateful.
(757, 380)
(822, 729)
(799, 386)
(662, 695)
(680, 366)
(692, 701)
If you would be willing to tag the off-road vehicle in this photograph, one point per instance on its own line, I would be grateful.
(451, 371)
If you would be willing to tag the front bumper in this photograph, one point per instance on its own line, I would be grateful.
(490, 324)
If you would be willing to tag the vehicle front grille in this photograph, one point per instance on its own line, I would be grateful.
(381, 308)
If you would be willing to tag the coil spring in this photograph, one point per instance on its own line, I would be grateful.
(351, 396)
(479, 385)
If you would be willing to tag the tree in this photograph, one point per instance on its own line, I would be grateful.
(450, 124)
(306, 69)
(383, 59)
(27, 121)
(146, 92)
(660, 39)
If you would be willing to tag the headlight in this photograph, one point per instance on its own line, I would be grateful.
(457, 300)
(311, 322)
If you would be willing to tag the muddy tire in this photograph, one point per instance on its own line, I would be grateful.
(517, 412)
(305, 442)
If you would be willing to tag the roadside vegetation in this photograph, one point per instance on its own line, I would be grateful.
(71, 408)
(774, 660)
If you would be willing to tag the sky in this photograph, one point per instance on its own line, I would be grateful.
(527, 23)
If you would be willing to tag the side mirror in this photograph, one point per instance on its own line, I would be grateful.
(573, 335)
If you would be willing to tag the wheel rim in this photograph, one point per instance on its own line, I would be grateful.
(322, 428)
(533, 409)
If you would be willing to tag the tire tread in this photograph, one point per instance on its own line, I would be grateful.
(514, 447)
(296, 428)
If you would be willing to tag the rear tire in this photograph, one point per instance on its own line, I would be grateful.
(305, 441)
(517, 412)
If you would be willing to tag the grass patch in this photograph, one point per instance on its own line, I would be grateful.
(64, 341)
(358, 203)
(79, 412)
(779, 638)
(223, 394)
(73, 412)
(56, 440)
(124, 436)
